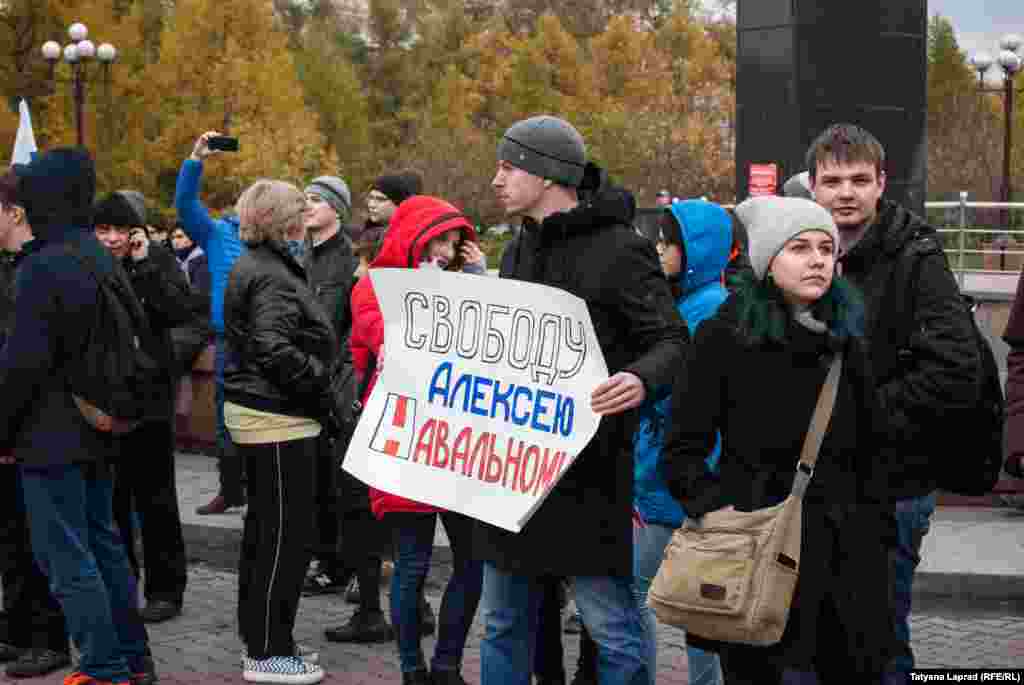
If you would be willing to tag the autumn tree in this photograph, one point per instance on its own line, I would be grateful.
(333, 89)
(225, 64)
(964, 130)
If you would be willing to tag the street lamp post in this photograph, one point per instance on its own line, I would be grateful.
(78, 53)
(1010, 64)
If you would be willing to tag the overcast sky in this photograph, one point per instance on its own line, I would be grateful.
(979, 24)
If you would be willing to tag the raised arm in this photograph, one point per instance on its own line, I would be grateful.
(195, 218)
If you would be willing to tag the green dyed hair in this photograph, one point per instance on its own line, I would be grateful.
(764, 316)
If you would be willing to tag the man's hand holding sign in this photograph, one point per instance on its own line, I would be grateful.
(483, 404)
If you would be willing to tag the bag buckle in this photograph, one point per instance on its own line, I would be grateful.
(802, 478)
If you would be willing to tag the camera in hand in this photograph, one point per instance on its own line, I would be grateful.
(222, 143)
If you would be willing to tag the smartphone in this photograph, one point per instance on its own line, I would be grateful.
(223, 143)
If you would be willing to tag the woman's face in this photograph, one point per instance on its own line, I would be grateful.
(180, 240)
(671, 258)
(379, 207)
(804, 268)
(441, 250)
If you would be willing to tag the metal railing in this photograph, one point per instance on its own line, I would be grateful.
(996, 261)
(985, 255)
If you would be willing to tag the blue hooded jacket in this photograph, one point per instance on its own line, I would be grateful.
(706, 235)
(217, 237)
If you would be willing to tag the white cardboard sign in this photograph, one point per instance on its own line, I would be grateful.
(483, 400)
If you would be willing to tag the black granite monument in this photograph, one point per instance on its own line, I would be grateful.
(805, 64)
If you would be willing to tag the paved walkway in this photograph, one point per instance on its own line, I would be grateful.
(969, 553)
(201, 645)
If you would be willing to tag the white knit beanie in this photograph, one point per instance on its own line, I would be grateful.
(773, 221)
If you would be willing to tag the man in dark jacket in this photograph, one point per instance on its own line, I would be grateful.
(577, 235)
(331, 265)
(145, 476)
(33, 636)
(64, 463)
(925, 361)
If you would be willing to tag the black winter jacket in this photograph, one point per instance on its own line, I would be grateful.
(281, 347)
(925, 361)
(8, 265)
(331, 266)
(584, 526)
(169, 301)
(761, 400)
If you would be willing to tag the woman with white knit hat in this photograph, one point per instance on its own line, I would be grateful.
(754, 375)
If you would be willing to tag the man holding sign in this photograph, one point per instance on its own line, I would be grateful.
(577, 236)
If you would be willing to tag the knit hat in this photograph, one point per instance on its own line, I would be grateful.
(399, 187)
(335, 191)
(121, 208)
(545, 146)
(798, 185)
(773, 221)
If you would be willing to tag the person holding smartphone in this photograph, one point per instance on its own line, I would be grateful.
(145, 473)
(219, 239)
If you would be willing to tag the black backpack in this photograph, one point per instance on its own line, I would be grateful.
(967, 443)
(117, 382)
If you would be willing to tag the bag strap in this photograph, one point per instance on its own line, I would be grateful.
(819, 424)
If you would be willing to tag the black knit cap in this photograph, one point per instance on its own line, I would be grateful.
(399, 187)
(121, 208)
(545, 146)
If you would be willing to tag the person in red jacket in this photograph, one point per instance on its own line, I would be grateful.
(425, 232)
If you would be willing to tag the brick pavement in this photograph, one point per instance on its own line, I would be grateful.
(201, 646)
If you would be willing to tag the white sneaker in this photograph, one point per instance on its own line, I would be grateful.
(287, 670)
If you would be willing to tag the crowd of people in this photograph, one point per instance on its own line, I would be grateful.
(718, 337)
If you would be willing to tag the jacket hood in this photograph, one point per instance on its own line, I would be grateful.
(601, 203)
(57, 191)
(415, 223)
(706, 234)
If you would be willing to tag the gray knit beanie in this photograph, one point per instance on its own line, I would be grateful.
(545, 146)
(335, 191)
(798, 185)
(773, 221)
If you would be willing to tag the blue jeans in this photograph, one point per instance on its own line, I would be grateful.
(913, 519)
(609, 611)
(76, 545)
(413, 537)
(649, 544)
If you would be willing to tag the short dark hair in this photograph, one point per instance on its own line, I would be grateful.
(669, 230)
(845, 144)
(9, 189)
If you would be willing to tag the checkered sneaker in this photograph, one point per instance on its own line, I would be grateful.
(308, 654)
(288, 670)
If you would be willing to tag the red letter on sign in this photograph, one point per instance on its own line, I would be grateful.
(425, 441)
(441, 443)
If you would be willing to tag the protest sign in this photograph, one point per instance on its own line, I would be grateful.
(483, 401)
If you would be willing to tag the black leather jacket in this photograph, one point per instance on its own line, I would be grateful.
(281, 346)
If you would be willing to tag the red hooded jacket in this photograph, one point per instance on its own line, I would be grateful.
(415, 223)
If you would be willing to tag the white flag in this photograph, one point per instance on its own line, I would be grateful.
(25, 142)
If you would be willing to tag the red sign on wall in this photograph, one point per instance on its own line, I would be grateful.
(764, 179)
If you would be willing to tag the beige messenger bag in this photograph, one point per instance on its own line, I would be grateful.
(731, 577)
